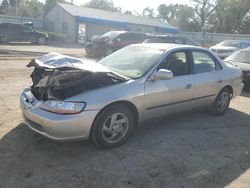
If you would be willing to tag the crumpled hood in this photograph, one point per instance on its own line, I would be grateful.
(59, 61)
(58, 77)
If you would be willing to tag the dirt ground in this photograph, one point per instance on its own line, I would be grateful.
(191, 150)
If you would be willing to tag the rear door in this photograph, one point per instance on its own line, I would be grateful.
(170, 96)
(208, 77)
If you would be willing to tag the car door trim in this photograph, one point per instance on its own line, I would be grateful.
(164, 105)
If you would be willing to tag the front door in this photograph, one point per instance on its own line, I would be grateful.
(170, 96)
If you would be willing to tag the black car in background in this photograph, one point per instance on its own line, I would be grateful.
(170, 39)
(10, 32)
(101, 46)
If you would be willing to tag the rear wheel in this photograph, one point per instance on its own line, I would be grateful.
(221, 102)
(112, 126)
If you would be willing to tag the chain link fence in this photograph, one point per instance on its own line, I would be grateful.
(208, 39)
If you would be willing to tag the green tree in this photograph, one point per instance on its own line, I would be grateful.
(231, 16)
(148, 12)
(101, 4)
(8, 7)
(203, 9)
(31, 8)
(179, 15)
(128, 12)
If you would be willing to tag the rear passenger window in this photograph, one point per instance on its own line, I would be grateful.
(203, 63)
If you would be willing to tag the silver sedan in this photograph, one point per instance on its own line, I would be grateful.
(157, 80)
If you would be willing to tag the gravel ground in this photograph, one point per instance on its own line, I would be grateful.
(189, 150)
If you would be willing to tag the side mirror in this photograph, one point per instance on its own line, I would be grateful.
(163, 74)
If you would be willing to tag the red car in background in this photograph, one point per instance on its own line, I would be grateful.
(101, 46)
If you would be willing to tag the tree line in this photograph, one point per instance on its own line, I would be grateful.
(224, 16)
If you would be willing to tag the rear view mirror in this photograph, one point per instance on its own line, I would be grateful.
(163, 74)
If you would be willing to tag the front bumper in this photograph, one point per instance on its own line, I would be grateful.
(56, 126)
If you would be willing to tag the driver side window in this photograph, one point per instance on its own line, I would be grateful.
(177, 63)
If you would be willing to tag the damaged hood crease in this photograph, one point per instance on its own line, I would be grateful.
(58, 77)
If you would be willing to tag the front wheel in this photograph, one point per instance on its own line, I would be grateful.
(221, 103)
(112, 126)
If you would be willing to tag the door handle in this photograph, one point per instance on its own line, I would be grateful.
(188, 86)
(220, 81)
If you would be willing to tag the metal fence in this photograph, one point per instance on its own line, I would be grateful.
(209, 39)
(38, 23)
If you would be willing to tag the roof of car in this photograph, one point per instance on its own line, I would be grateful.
(165, 46)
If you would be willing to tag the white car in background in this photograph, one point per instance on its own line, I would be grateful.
(228, 47)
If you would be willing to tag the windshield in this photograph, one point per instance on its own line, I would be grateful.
(230, 43)
(132, 61)
(241, 56)
(112, 34)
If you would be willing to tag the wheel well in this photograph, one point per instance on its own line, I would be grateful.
(130, 105)
(230, 89)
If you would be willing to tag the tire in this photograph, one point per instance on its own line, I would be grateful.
(5, 40)
(41, 41)
(221, 103)
(113, 126)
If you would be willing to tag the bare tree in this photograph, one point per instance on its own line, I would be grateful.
(148, 12)
(204, 8)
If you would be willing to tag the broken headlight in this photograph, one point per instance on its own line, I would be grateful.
(61, 107)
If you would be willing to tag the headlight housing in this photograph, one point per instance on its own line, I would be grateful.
(61, 107)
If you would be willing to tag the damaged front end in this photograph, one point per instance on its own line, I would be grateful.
(58, 77)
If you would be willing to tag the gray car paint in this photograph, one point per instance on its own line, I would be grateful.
(143, 93)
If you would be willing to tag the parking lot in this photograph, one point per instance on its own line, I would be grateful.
(190, 150)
